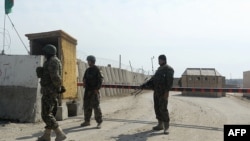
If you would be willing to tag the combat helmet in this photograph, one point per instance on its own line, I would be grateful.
(91, 58)
(49, 49)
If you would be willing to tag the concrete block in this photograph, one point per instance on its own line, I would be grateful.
(20, 104)
(19, 88)
(80, 99)
(74, 109)
(62, 112)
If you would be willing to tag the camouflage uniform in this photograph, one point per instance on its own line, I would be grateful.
(93, 80)
(161, 83)
(51, 84)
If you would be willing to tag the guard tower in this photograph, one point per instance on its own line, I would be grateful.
(66, 52)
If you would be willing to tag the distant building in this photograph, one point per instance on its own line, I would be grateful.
(234, 83)
(202, 78)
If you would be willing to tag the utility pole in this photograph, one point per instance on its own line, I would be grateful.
(120, 60)
(131, 66)
(152, 64)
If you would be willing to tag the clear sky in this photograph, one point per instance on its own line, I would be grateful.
(191, 33)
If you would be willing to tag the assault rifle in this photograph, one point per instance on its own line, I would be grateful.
(140, 88)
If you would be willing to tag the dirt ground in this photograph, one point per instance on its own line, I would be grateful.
(131, 118)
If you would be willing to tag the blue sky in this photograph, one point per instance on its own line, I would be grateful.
(191, 33)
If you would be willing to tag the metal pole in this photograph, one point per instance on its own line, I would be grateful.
(4, 34)
(131, 66)
(120, 59)
(152, 64)
(18, 35)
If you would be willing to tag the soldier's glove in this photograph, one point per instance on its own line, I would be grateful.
(39, 72)
(62, 90)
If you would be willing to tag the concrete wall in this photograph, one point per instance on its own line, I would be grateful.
(246, 82)
(19, 89)
(111, 76)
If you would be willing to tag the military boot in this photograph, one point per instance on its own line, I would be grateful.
(159, 126)
(99, 125)
(60, 135)
(85, 123)
(45, 136)
(166, 126)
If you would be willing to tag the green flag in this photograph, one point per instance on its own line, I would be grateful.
(8, 5)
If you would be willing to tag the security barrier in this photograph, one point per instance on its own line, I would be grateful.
(188, 89)
(111, 76)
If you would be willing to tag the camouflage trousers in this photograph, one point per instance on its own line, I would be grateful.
(92, 101)
(49, 109)
(160, 106)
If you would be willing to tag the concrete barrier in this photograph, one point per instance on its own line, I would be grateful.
(106, 81)
(117, 79)
(102, 90)
(112, 76)
(125, 80)
(19, 88)
(80, 90)
(114, 80)
(108, 71)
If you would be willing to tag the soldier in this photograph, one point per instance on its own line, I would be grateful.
(92, 81)
(161, 83)
(51, 86)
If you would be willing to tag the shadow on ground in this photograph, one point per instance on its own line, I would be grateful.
(141, 136)
(171, 124)
(67, 131)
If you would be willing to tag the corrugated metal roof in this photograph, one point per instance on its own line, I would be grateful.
(202, 71)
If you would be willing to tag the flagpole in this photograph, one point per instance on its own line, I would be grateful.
(18, 34)
(4, 34)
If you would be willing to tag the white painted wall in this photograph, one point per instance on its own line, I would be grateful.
(19, 70)
(20, 88)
